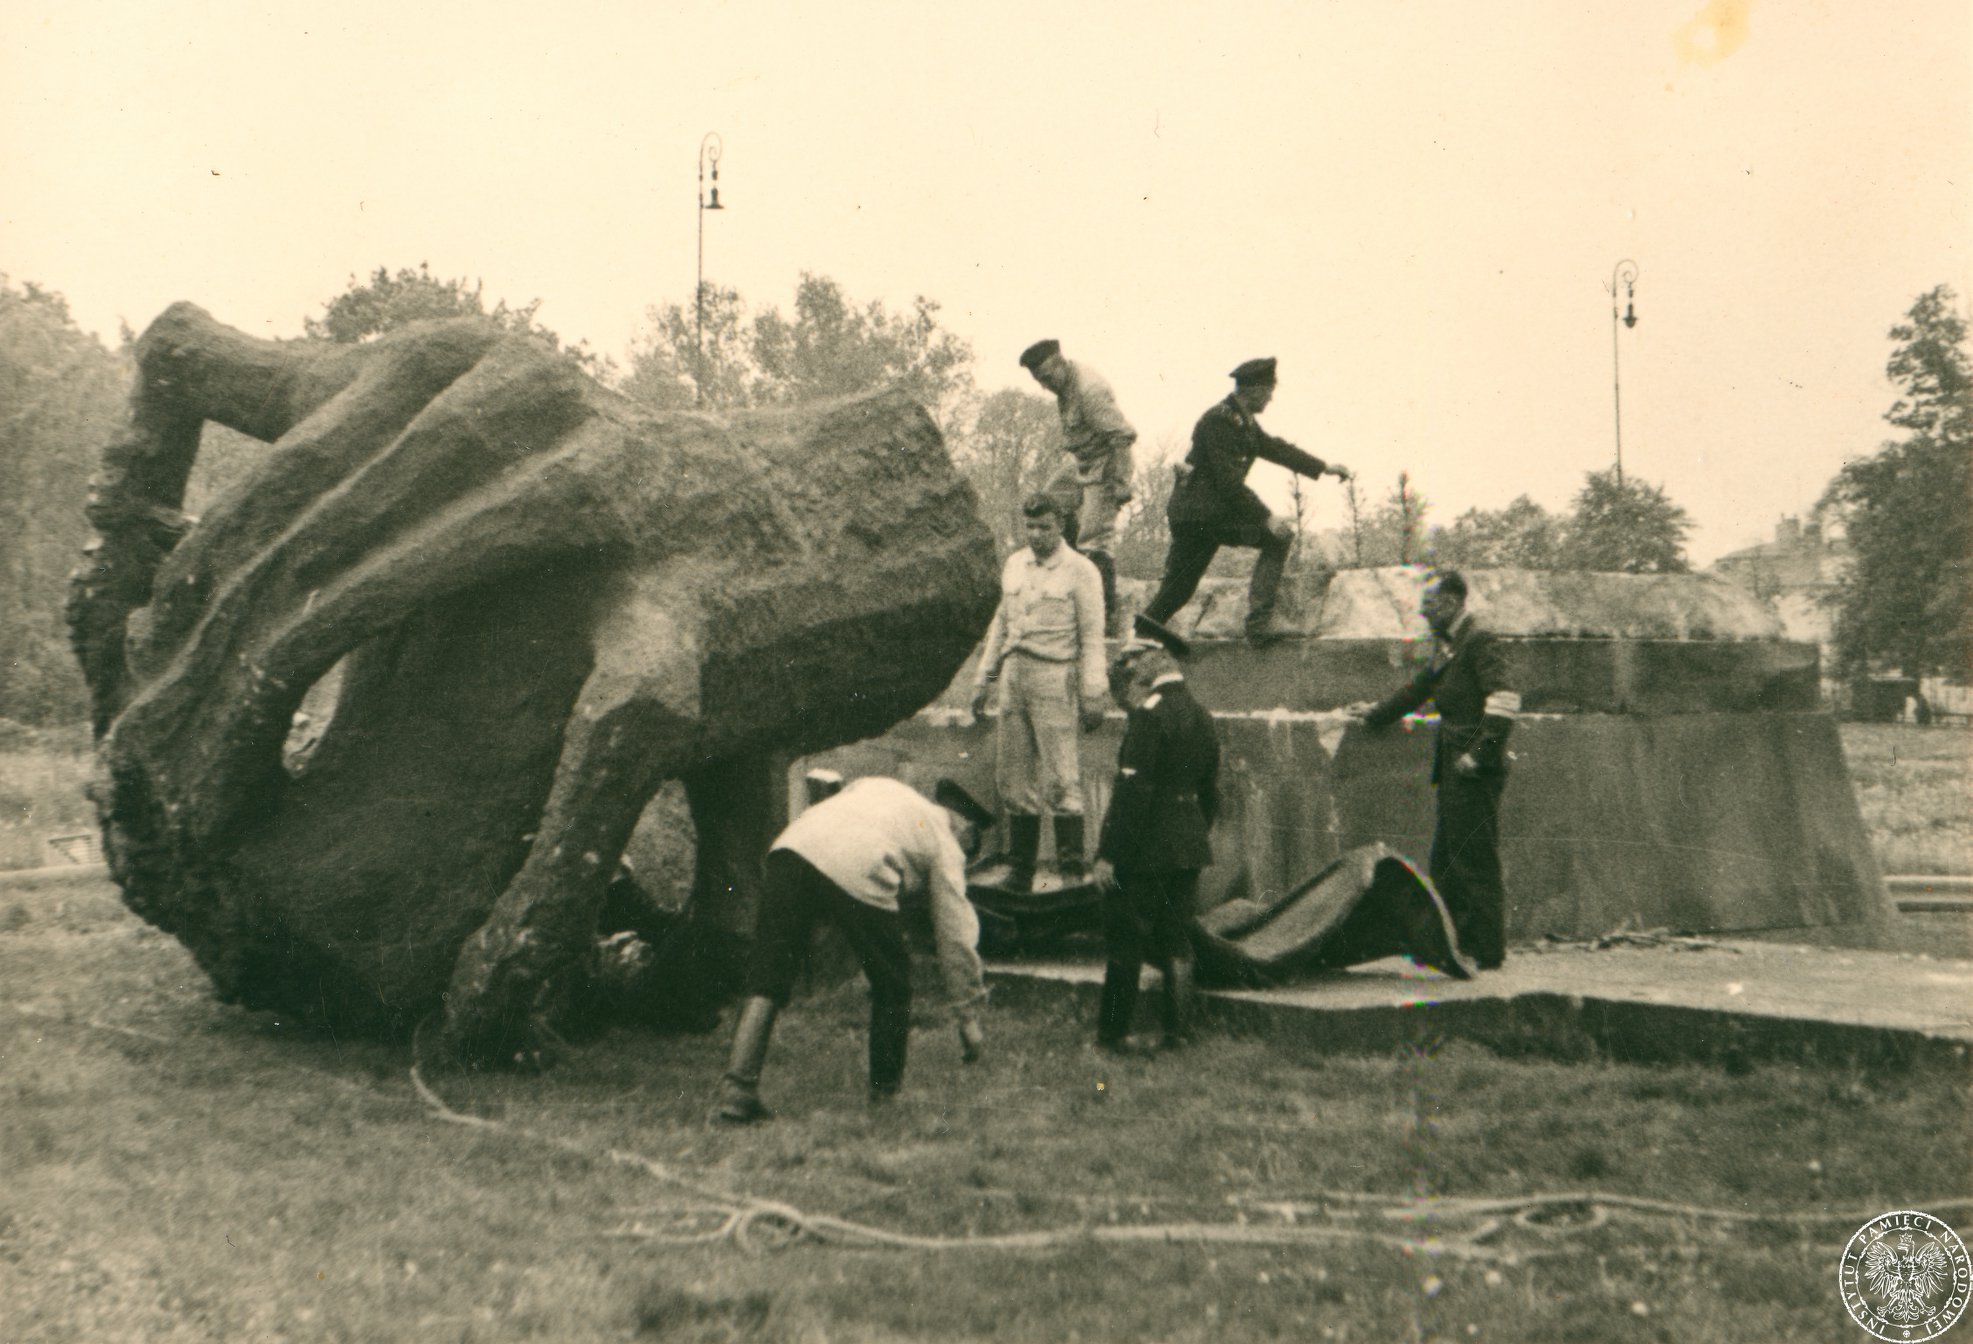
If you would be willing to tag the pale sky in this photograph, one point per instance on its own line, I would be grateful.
(1414, 206)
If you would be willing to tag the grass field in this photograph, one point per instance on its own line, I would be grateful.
(42, 772)
(176, 1170)
(1915, 788)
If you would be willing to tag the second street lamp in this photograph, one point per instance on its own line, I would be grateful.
(1625, 274)
(710, 148)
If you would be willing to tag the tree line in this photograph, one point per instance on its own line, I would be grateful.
(62, 395)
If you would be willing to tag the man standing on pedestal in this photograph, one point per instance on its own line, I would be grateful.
(1212, 505)
(1045, 649)
(1466, 677)
(1098, 440)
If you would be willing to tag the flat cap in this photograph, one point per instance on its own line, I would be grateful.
(1032, 356)
(948, 793)
(1254, 371)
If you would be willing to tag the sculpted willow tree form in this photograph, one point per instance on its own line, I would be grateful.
(546, 601)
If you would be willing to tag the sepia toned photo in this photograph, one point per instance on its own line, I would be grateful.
(747, 671)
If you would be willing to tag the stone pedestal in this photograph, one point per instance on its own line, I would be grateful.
(1671, 768)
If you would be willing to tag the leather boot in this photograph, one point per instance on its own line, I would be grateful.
(890, 1037)
(1107, 567)
(739, 1091)
(1269, 565)
(1069, 860)
(1180, 1004)
(1116, 1010)
(1023, 843)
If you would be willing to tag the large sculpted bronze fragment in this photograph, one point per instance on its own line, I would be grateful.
(545, 601)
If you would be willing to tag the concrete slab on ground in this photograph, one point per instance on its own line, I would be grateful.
(1729, 1003)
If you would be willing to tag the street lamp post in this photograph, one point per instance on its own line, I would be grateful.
(710, 148)
(1625, 273)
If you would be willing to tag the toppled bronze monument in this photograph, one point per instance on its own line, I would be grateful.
(541, 602)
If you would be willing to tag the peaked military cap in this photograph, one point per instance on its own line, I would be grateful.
(1032, 356)
(1254, 371)
(948, 793)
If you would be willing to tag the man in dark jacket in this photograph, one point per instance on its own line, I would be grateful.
(1212, 505)
(1156, 837)
(1466, 677)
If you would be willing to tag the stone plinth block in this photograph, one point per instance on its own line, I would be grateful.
(1702, 822)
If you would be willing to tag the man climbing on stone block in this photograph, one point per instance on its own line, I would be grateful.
(1212, 505)
(1045, 650)
(849, 860)
(1466, 677)
(1097, 477)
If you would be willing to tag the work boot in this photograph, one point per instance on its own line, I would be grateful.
(890, 1037)
(1069, 860)
(1116, 1009)
(1179, 1005)
(1261, 591)
(739, 1090)
(1023, 843)
(1107, 568)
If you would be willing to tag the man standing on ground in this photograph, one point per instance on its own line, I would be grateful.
(1156, 838)
(848, 860)
(1098, 439)
(1212, 505)
(1466, 676)
(1045, 648)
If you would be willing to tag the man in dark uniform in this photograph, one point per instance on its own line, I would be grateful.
(1466, 677)
(1156, 837)
(1212, 505)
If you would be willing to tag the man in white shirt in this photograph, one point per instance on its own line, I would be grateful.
(849, 860)
(1095, 483)
(1045, 649)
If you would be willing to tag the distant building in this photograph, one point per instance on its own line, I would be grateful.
(1794, 574)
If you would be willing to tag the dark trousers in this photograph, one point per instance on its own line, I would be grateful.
(1466, 864)
(1146, 916)
(1193, 546)
(793, 898)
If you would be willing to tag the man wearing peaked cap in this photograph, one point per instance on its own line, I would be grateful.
(1255, 371)
(848, 861)
(1212, 505)
(1094, 485)
(1156, 837)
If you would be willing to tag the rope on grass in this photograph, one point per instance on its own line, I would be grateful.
(756, 1225)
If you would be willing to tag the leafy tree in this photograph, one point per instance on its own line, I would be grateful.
(1625, 526)
(386, 301)
(1523, 535)
(1143, 531)
(1011, 450)
(1907, 600)
(831, 347)
(61, 400)
(662, 363)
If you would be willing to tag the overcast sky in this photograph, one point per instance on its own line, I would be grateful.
(1415, 206)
